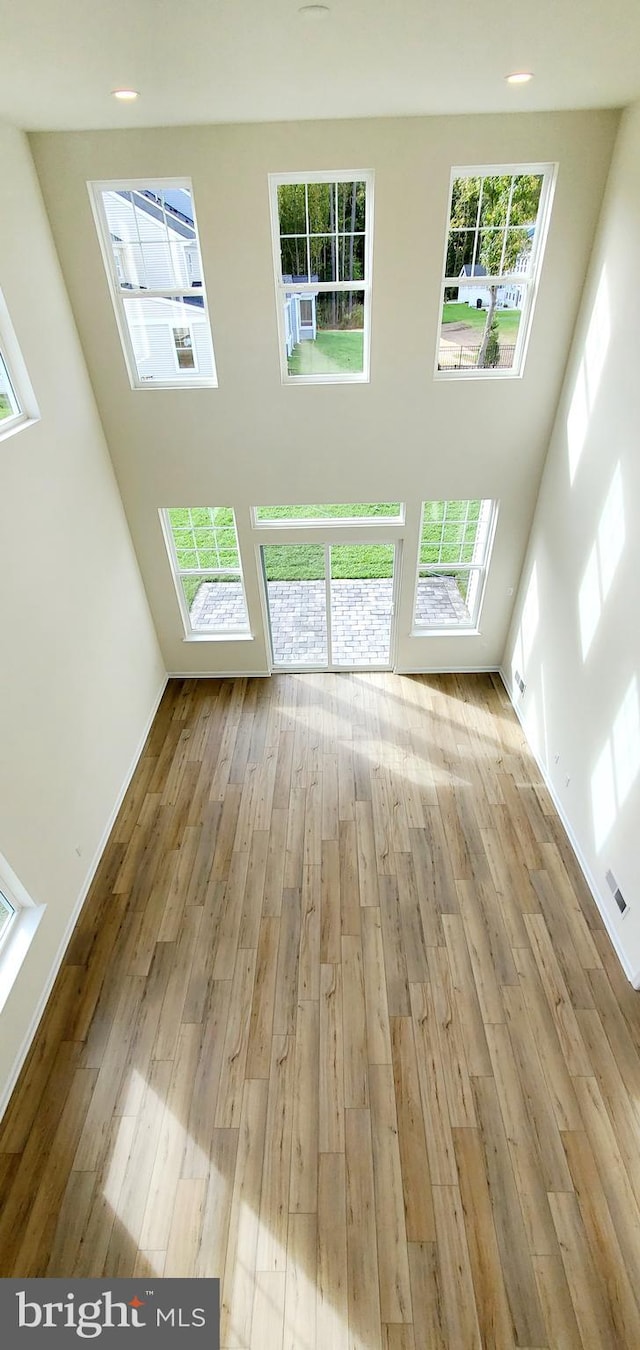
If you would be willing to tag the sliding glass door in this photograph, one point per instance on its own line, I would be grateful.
(331, 606)
(297, 602)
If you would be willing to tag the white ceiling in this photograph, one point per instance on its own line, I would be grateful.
(260, 60)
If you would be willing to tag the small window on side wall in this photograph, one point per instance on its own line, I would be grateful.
(455, 545)
(151, 251)
(322, 248)
(17, 402)
(497, 225)
(205, 560)
(7, 915)
(19, 921)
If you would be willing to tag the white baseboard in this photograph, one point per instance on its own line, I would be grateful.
(632, 975)
(446, 670)
(9, 1086)
(417, 670)
(219, 674)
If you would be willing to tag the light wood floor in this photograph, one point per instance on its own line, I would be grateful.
(340, 1024)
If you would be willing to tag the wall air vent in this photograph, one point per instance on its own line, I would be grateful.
(616, 893)
(519, 681)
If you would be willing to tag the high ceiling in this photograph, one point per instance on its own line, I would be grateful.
(262, 60)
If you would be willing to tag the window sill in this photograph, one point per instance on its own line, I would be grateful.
(218, 637)
(174, 384)
(460, 631)
(454, 376)
(14, 950)
(289, 381)
(19, 425)
(330, 522)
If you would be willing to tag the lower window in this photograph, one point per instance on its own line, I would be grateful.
(455, 543)
(203, 550)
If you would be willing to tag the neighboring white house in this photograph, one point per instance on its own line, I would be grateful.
(168, 336)
(155, 243)
(155, 246)
(299, 315)
(472, 293)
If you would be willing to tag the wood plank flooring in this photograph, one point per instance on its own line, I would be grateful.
(341, 1025)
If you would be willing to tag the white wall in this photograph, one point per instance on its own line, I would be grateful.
(403, 436)
(575, 636)
(80, 667)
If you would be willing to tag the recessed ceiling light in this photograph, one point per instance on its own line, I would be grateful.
(314, 11)
(125, 95)
(520, 77)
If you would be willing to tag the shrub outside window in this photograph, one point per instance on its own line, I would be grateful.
(151, 251)
(455, 544)
(497, 225)
(203, 550)
(322, 248)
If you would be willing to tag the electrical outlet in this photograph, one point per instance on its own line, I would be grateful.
(617, 893)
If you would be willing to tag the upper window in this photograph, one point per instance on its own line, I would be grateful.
(497, 227)
(205, 559)
(322, 231)
(150, 245)
(455, 542)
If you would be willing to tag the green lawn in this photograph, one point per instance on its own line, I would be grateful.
(5, 407)
(334, 353)
(449, 532)
(331, 511)
(305, 562)
(508, 319)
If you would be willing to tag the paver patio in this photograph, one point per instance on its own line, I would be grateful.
(360, 616)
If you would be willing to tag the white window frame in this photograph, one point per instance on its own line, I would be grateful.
(277, 180)
(119, 294)
(529, 283)
(19, 934)
(207, 573)
(479, 566)
(26, 408)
